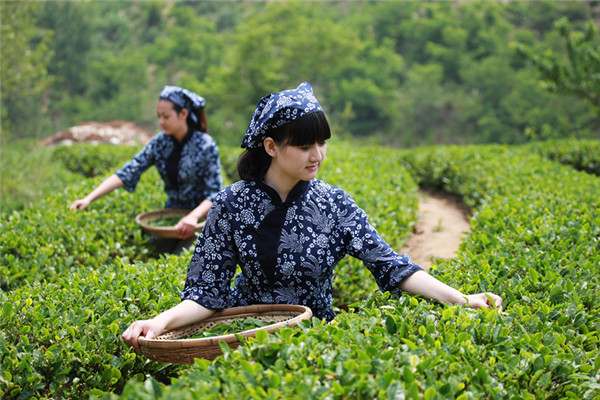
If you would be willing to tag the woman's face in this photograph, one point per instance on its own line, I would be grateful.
(172, 122)
(299, 162)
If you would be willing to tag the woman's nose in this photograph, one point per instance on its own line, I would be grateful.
(317, 154)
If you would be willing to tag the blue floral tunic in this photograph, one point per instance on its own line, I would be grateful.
(195, 177)
(287, 251)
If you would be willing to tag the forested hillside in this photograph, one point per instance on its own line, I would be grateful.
(400, 73)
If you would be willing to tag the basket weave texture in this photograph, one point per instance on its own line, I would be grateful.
(170, 348)
(167, 232)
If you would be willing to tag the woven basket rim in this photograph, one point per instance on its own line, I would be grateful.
(168, 232)
(213, 341)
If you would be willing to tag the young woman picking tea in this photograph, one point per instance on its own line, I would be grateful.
(287, 230)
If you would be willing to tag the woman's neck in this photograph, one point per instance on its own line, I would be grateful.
(179, 135)
(282, 185)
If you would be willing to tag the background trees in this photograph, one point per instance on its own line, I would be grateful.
(408, 74)
(24, 72)
(578, 72)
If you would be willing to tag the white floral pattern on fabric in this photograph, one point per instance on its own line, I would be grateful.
(278, 109)
(321, 227)
(199, 175)
(184, 99)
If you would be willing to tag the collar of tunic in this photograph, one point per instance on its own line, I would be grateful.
(269, 230)
(175, 157)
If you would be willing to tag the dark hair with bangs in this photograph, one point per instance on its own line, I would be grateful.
(307, 130)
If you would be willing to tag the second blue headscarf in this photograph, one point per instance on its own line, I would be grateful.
(184, 99)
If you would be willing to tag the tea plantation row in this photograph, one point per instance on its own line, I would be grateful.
(73, 281)
(534, 240)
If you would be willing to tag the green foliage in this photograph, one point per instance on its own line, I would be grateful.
(24, 66)
(227, 328)
(29, 173)
(583, 155)
(73, 281)
(229, 156)
(92, 160)
(62, 339)
(534, 240)
(47, 240)
(70, 44)
(578, 74)
(423, 73)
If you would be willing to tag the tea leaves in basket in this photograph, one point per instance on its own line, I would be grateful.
(169, 221)
(226, 328)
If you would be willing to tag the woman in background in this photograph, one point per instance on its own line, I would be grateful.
(186, 157)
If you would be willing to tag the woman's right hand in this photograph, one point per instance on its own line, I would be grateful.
(111, 183)
(80, 204)
(185, 313)
(150, 328)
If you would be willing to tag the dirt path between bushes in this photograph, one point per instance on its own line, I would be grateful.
(442, 225)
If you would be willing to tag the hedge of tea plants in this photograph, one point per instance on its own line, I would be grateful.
(73, 281)
(534, 240)
(46, 241)
(583, 155)
(92, 160)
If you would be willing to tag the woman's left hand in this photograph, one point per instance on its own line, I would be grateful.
(484, 300)
(186, 226)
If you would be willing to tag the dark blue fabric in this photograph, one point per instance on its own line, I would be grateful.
(278, 109)
(184, 99)
(320, 227)
(174, 158)
(198, 176)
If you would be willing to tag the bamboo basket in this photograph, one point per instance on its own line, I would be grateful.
(171, 348)
(167, 232)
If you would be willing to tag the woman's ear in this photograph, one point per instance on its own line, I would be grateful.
(270, 146)
(184, 113)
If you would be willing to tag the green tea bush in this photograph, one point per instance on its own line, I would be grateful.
(61, 317)
(91, 160)
(390, 349)
(62, 339)
(583, 155)
(534, 240)
(47, 240)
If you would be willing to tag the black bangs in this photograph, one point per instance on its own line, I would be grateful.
(309, 129)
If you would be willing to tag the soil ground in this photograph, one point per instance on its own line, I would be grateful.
(442, 225)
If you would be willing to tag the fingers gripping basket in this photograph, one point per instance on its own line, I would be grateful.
(170, 348)
(168, 232)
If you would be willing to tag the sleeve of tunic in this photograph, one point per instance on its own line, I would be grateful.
(364, 242)
(214, 179)
(131, 172)
(213, 264)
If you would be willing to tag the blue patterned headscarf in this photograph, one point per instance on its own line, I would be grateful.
(184, 99)
(278, 109)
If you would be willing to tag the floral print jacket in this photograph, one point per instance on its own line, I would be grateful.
(198, 174)
(288, 250)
